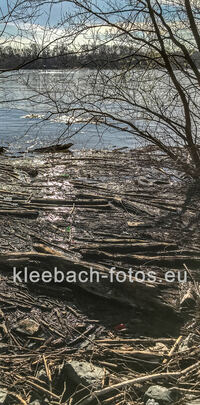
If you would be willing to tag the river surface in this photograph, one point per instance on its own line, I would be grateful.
(29, 97)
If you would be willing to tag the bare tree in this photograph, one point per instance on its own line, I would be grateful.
(149, 87)
(154, 92)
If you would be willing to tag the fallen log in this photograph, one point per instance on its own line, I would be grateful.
(107, 238)
(147, 340)
(135, 294)
(130, 247)
(85, 205)
(20, 213)
(172, 262)
(56, 201)
(136, 208)
(140, 354)
(54, 148)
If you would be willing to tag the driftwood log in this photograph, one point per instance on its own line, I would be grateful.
(54, 148)
(20, 213)
(134, 293)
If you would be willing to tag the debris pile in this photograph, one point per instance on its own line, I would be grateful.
(129, 341)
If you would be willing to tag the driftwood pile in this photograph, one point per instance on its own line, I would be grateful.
(99, 210)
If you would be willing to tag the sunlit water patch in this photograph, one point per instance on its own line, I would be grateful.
(24, 132)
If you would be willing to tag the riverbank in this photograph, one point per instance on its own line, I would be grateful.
(100, 210)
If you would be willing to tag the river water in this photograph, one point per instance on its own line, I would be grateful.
(29, 97)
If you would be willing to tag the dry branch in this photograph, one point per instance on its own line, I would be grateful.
(99, 395)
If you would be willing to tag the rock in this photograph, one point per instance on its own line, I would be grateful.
(186, 343)
(192, 400)
(3, 395)
(159, 347)
(27, 326)
(188, 301)
(39, 402)
(152, 402)
(2, 149)
(42, 376)
(160, 394)
(85, 373)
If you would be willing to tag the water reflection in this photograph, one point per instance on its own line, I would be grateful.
(33, 102)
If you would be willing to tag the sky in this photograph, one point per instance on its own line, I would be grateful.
(33, 29)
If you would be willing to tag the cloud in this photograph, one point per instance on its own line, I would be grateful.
(28, 33)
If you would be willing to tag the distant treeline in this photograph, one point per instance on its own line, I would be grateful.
(59, 57)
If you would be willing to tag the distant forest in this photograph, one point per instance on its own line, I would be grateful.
(59, 57)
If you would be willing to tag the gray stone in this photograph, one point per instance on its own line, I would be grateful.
(152, 402)
(42, 375)
(40, 402)
(160, 394)
(186, 343)
(84, 373)
(3, 395)
(192, 400)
